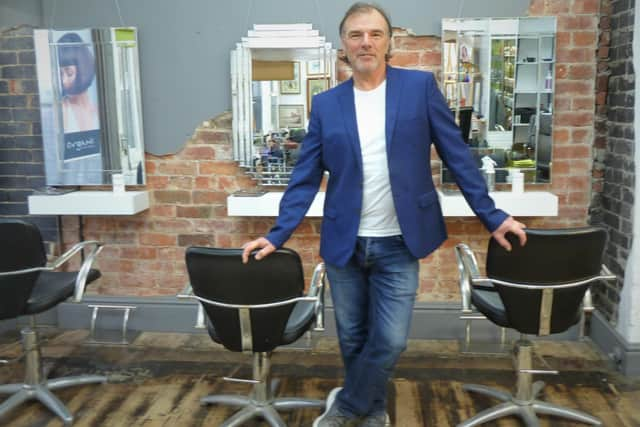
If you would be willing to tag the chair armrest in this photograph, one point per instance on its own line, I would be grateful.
(317, 289)
(83, 273)
(187, 293)
(469, 274)
(587, 301)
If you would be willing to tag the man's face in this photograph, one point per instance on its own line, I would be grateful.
(365, 40)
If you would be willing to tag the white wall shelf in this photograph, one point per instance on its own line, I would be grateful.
(531, 203)
(90, 203)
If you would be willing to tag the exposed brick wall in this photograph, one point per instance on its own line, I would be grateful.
(21, 158)
(144, 253)
(614, 167)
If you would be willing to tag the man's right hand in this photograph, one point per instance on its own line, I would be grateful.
(263, 244)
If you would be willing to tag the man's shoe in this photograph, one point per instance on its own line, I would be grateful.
(332, 417)
(381, 420)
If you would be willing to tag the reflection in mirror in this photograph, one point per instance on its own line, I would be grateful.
(498, 79)
(90, 106)
(275, 72)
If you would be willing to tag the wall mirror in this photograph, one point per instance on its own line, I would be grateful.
(498, 78)
(91, 113)
(275, 72)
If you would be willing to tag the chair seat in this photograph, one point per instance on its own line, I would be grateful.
(301, 317)
(488, 302)
(53, 287)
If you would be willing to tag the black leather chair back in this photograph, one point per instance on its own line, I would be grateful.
(21, 249)
(219, 275)
(550, 257)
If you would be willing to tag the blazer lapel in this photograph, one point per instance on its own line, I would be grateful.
(394, 89)
(348, 107)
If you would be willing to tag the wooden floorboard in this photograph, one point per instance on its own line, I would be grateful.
(158, 381)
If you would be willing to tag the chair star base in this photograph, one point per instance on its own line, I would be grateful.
(525, 403)
(527, 411)
(35, 387)
(260, 403)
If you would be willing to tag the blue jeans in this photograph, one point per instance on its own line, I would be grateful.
(373, 297)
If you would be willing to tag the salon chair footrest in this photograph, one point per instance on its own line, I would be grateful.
(125, 336)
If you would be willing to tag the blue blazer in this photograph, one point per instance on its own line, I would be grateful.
(417, 116)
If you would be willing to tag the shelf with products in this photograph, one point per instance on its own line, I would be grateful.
(516, 58)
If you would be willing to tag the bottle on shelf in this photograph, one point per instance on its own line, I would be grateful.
(548, 80)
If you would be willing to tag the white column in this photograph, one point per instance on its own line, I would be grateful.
(629, 310)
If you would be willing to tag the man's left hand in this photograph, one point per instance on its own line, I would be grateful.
(510, 225)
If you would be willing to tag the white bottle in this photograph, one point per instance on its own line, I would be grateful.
(517, 182)
(488, 167)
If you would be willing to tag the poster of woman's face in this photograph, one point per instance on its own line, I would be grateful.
(66, 70)
(75, 82)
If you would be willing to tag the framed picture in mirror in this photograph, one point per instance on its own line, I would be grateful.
(291, 87)
(315, 85)
(315, 68)
(291, 116)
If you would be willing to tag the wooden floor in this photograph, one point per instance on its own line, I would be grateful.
(159, 378)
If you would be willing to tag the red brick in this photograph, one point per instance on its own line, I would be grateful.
(602, 83)
(582, 136)
(157, 182)
(219, 168)
(556, 7)
(582, 71)
(198, 152)
(586, 103)
(194, 212)
(416, 43)
(572, 55)
(171, 196)
(584, 38)
(177, 167)
(213, 136)
(195, 240)
(431, 58)
(563, 39)
(574, 118)
(138, 252)
(585, 6)
(209, 197)
(157, 210)
(574, 87)
(584, 22)
(405, 59)
(157, 239)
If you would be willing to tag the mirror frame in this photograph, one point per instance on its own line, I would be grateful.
(274, 42)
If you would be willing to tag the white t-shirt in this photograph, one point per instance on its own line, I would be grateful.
(378, 216)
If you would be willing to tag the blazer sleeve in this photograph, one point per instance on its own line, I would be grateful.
(457, 157)
(303, 185)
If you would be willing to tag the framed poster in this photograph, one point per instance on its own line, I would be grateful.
(314, 87)
(291, 116)
(315, 67)
(291, 87)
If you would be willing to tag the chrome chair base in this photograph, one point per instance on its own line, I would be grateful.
(527, 411)
(524, 403)
(35, 387)
(260, 403)
(264, 409)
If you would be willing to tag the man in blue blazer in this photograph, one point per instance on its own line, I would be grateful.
(373, 134)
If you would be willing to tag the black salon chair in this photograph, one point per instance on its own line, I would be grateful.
(255, 308)
(535, 289)
(29, 286)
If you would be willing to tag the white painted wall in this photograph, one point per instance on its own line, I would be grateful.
(629, 309)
